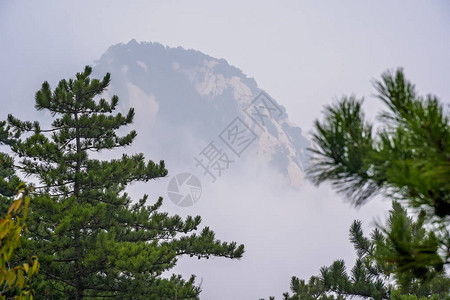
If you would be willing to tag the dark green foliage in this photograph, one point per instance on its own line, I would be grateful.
(418, 140)
(380, 256)
(409, 248)
(314, 289)
(409, 157)
(396, 295)
(344, 140)
(91, 239)
(8, 180)
(408, 160)
(373, 276)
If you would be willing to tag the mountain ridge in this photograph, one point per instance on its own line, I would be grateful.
(182, 96)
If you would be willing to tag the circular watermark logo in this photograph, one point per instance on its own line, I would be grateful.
(184, 189)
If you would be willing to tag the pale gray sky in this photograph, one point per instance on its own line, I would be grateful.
(303, 53)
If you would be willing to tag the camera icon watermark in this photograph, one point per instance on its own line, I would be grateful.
(184, 189)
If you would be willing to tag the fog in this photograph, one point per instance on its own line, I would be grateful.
(304, 53)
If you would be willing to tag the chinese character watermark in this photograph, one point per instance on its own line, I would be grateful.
(185, 189)
(238, 136)
(262, 109)
(213, 161)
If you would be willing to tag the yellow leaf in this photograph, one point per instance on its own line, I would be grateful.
(19, 203)
(4, 231)
(20, 279)
(26, 266)
(13, 205)
(34, 268)
(11, 277)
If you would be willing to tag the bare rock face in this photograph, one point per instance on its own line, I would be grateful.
(196, 109)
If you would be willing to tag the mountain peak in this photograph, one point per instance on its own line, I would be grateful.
(183, 96)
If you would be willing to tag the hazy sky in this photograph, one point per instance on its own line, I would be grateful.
(303, 53)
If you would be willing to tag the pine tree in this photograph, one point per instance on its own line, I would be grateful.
(314, 289)
(408, 159)
(92, 240)
(373, 274)
(8, 179)
(405, 244)
(15, 274)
